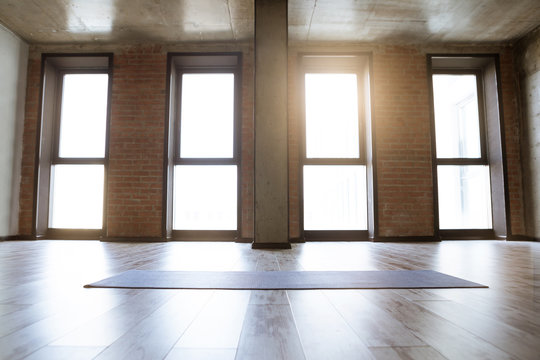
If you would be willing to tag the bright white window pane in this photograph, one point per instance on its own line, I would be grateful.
(456, 116)
(76, 199)
(464, 197)
(205, 197)
(335, 197)
(332, 116)
(207, 116)
(84, 116)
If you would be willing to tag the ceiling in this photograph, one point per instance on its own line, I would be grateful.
(404, 21)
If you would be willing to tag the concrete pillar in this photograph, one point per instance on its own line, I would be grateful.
(271, 177)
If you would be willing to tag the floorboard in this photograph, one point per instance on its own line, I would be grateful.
(45, 313)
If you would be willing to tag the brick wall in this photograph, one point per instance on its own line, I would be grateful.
(26, 194)
(402, 124)
(136, 142)
(135, 172)
(400, 114)
(403, 142)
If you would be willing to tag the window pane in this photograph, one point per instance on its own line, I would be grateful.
(335, 197)
(464, 197)
(76, 199)
(332, 116)
(205, 197)
(84, 115)
(457, 124)
(207, 116)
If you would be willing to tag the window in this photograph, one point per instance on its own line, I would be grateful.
(73, 152)
(462, 169)
(334, 171)
(203, 159)
(469, 166)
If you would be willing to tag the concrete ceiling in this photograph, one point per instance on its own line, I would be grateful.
(405, 21)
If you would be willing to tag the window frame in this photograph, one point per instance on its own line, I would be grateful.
(56, 159)
(334, 63)
(176, 68)
(483, 159)
(179, 160)
(53, 68)
(487, 65)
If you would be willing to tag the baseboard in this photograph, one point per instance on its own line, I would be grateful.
(17, 238)
(468, 234)
(521, 238)
(258, 246)
(296, 240)
(244, 240)
(405, 239)
(133, 239)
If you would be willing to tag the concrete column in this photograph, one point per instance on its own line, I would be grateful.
(271, 177)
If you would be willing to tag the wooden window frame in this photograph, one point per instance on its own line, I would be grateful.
(483, 159)
(174, 101)
(334, 63)
(63, 64)
(486, 68)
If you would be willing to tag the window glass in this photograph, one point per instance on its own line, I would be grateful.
(76, 198)
(464, 197)
(205, 197)
(83, 116)
(331, 116)
(457, 122)
(207, 116)
(335, 197)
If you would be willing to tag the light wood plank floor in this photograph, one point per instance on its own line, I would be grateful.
(45, 313)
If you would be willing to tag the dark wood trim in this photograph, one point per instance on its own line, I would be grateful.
(433, 150)
(297, 240)
(167, 156)
(172, 155)
(470, 64)
(375, 194)
(462, 161)
(73, 234)
(406, 239)
(17, 238)
(243, 240)
(206, 161)
(56, 159)
(483, 159)
(356, 68)
(334, 161)
(236, 70)
(270, 246)
(133, 239)
(205, 235)
(522, 238)
(102, 63)
(301, 128)
(237, 140)
(37, 151)
(336, 235)
(110, 71)
(501, 129)
(468, 234)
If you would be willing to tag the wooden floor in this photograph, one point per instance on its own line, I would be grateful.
(45, 313)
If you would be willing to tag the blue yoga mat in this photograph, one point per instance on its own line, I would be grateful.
(283, 280)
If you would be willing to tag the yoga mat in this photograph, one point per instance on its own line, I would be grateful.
(283, 280)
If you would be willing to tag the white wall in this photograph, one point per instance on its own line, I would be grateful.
(13, 64)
